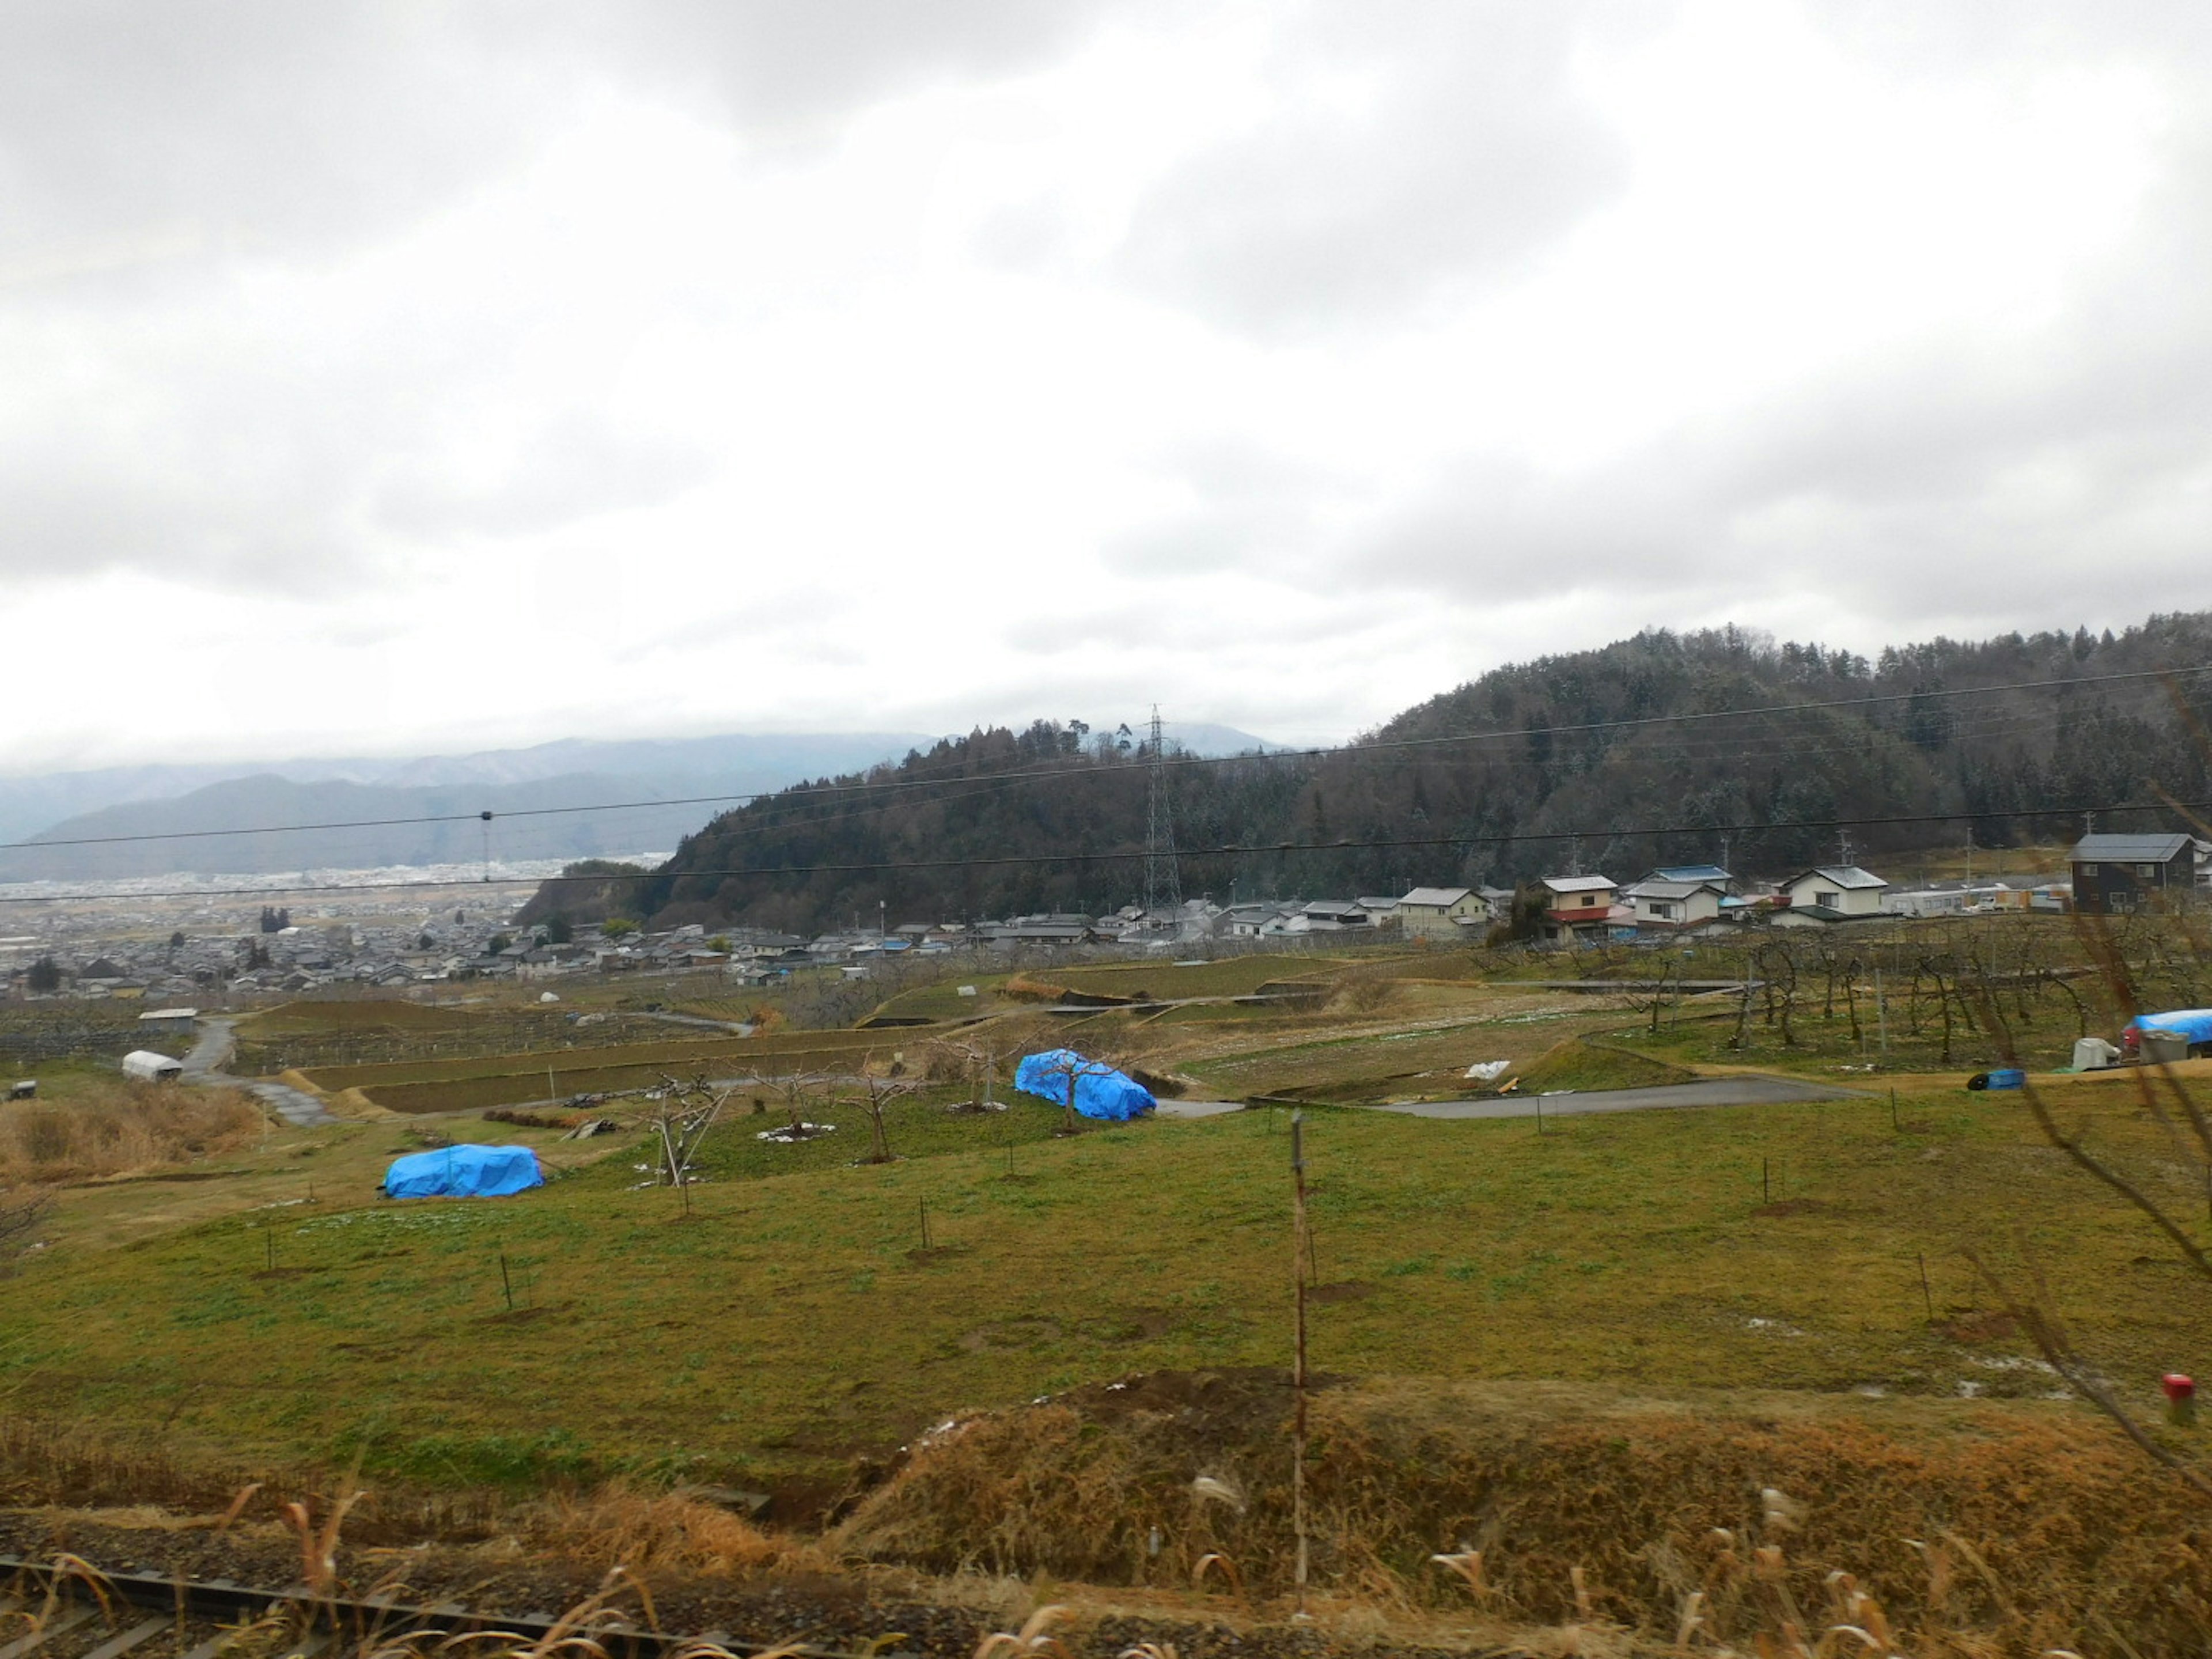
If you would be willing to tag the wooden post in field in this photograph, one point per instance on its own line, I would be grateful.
(1298, 1247)
(1881, 1013)
(505, 1284)
(1927, 1294)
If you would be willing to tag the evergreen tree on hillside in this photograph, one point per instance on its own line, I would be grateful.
(1662, 747)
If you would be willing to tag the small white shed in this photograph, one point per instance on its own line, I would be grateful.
(147, 1066)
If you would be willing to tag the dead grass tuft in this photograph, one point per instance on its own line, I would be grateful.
(1666, 1526)
(666, 1533)
(115, 1127)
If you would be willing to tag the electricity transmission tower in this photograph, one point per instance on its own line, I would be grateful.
(1162, 882)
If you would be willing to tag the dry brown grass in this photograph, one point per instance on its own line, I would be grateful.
(1998, 1537)
(110, 1128)
(668, 1534)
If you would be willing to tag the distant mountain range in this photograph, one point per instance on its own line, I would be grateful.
(552, 801)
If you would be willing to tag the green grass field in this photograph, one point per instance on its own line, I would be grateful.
(793, 1321)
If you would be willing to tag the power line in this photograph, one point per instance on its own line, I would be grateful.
(806, 793)
(1234, 849)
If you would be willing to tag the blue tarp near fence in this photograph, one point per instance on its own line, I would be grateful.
(1100, 1091)
(2194, 1024)
(464, 1172)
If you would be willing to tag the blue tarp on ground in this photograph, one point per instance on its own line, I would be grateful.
(1100, 1091)
(2195, 1023)
(464, 1172)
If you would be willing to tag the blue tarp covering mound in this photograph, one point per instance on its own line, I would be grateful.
(464, 1172)
(1100, 1091)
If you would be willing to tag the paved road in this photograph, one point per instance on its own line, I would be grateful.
(1198, 1108)
(212, 1053)
(1742, 1089)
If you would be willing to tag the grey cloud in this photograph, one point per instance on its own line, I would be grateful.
(1877, 497)
(1197, 543)
(258, 124)
(1472, 155)
(203, 441)
(1251, 507)
(786, 69)
(1950, 474)
(1022, 237)
(574, 465)
(1911, 39)
(150, 154)
(277, 128)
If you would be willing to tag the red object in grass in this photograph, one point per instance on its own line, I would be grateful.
(2178, 1387)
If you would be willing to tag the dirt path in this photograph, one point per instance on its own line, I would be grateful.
(212, 1052)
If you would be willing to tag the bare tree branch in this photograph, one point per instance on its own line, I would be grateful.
(2040, 1322)
(19, 1217)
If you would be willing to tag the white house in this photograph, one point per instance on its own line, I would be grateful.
(1580, 908)
(1334, 915)
(1830, 893)
(1662, 905)
(1434, 912)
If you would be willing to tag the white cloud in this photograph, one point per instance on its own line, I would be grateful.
(438, 380)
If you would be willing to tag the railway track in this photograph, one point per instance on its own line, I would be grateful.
(67, 1610)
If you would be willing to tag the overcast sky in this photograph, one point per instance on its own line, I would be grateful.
(420, 377)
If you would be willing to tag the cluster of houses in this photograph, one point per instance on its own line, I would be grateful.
(2110, 874)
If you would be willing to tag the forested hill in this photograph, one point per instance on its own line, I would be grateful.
(1511, 775)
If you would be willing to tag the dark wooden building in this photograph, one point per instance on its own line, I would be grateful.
(2119, 875)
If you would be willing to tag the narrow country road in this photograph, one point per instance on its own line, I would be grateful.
(1739, 1089)
(212, 1052)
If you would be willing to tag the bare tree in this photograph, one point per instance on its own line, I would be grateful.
(683, 1112)
(797, 1088)
(1070, 1070)
(977, 1064)
(877, 1093)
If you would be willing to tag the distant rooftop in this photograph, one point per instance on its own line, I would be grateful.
(1578, 884)
(1440, 896)
(1656, 888)
(2128, 849)
(1846, 876)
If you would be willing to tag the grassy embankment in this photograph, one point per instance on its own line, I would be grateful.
(473, 1081)
(88, 1124)
(793, 1321)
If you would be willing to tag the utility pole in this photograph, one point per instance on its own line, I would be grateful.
(1843, 847)
(1163, 881)
(1301, 1256)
